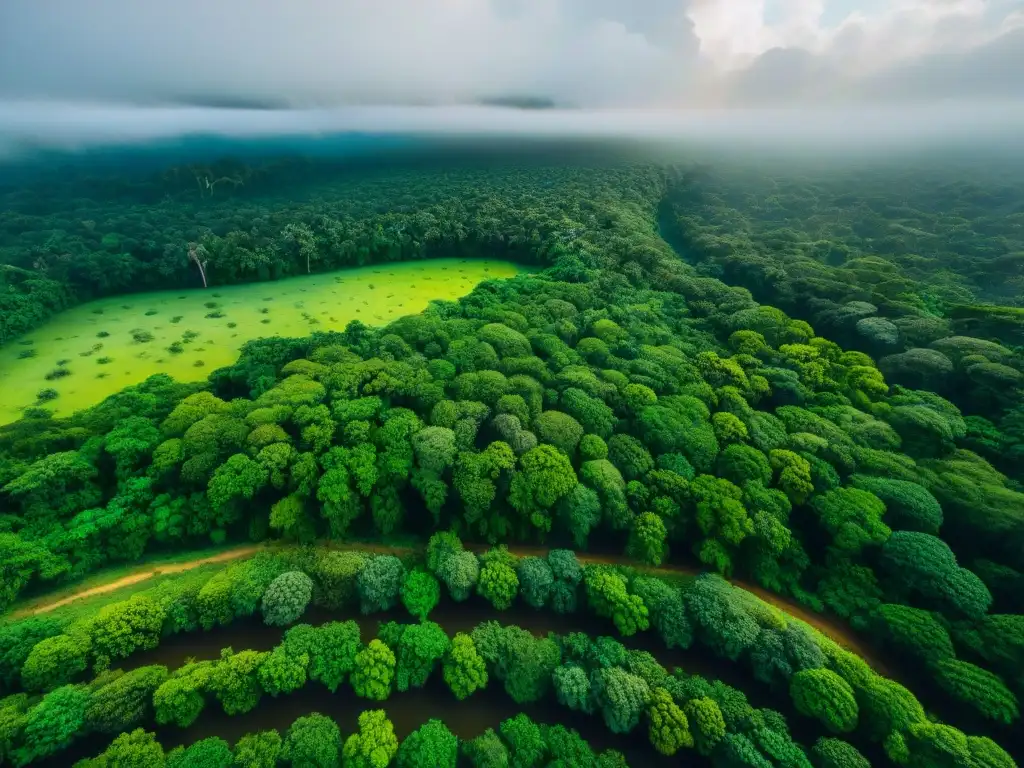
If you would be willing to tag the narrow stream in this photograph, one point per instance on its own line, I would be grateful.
(408, 711)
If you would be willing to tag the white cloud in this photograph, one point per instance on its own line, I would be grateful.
(597, 53)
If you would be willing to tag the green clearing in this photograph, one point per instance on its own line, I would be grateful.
(294, 307)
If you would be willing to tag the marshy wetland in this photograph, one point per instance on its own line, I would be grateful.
(91, 351)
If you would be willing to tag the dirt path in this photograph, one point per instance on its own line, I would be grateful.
(828, 626)
(148, 572)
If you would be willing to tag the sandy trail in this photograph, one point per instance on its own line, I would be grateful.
(831, 627)
(148, 572)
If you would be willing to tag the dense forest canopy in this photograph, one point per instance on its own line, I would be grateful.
(809, 378)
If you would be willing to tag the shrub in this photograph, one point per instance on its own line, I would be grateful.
(380, 583)
(313, 741)
(374, 745)
(823, 694)
(420, 593)
(286, 598)
(464, 669)
(374, 671)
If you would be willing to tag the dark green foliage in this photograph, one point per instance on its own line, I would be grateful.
(915, 632)
(622, 390)
(432, 744)
(125, 701)
(979, 689)
(908, 506)
(836, 753)
(380, 583)
(925, 567)
(313, 741)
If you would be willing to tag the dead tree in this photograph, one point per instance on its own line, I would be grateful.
(197, 253)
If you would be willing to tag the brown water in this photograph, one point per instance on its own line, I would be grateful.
(409, 710)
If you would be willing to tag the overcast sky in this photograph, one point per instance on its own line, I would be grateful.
(587, 53)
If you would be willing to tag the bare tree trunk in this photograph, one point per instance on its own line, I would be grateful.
(194, 253)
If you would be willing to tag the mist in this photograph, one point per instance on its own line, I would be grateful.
(841, 76)
(28, 128)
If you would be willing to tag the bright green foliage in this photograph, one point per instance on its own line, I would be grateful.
(647, 539)
(180, 699)
(559, 429)
(51, 724)
(283, 672)
(823, 694)
(374, 745)
(459, 572)
(853, 518)
(706, 723)
(313, 741)
(286, 598)
(915, 632)
(487, 751)
(498, 584)
(926, 567)
(607, 596)
(622, 697)
(887, 706)
(667, 613)
(137, 749)
(125, 701)
(525, 742)
(211, 752)
(420, 593)
(235, 681)
(380, 583)
(464, 669)
(418, 649)
(439, 547)
(987, 754)
(977, 688)
(836, 753)
(239, 478)
(668, 729)
(125, 627)
(331, 649)
(545, 475)
(374, 671)
(432, 744)
(55, 661)
(740, 463)
(258, 750)
(593, 447)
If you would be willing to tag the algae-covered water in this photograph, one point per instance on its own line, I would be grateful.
(108, 344)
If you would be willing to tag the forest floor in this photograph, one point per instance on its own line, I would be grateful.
(827, 625)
